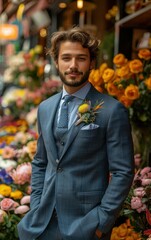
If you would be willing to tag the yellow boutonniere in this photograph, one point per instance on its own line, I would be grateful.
(87, 113)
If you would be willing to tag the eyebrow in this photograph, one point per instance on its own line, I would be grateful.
(78, 55)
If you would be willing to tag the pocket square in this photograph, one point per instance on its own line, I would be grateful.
(90, 126)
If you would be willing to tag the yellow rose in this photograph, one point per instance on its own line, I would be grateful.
(5, 190)
(108, 75)
(132, 92)
(144, 54)
(119, 60)
(16, 194)
(85, 107)
(148, 83)
(136, 66)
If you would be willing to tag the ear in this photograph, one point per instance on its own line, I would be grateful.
(56, 64)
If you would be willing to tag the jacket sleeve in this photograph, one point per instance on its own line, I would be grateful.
(121, 166)
(39, 165)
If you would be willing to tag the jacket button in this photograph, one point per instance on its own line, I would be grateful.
(59, 170)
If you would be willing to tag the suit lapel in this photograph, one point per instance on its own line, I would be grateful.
(53, 108)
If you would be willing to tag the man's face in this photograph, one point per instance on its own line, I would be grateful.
(73, 64)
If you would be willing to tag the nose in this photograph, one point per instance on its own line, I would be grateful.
(73, 63)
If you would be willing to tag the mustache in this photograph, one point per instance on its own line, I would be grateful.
(73, 71)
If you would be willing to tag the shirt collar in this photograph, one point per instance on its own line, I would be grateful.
(81, 93)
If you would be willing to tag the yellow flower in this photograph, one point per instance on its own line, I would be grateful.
(108, 75)
(136, 66)
(102, 68)
(16, 194)
(148, 83)
(119, 60)
(144, 54)
(5, 190)
(38, 49)
(132, 92)
(85, 107)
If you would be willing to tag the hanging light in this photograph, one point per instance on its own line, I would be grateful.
(84, 5)
(80, 4)
(8, 31)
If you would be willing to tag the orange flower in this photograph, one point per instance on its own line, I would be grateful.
(102, 68)
(148, 83)
(144, 54)
(132, 92)
(126, 101)
(124, 71)
(136, 66)
(112, 89)
(119, 60)
(108, 75)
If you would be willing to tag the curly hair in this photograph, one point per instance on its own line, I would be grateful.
(75, 34)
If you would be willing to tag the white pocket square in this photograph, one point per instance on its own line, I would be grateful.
(90, 126)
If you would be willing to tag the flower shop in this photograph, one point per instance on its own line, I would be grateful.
(28, 76)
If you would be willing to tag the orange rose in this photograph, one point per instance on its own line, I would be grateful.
(126, 101)
(124, 72)
(144, 54)
(148, 83)
(108, 75)
(102, 68)
(119, 60)
(112, 89)
(132, 92)
(136, 66)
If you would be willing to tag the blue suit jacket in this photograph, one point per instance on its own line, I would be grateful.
(78, 186)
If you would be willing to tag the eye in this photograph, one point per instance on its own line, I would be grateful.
(65, 58)
(82, 59)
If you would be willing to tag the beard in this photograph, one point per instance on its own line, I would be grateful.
(73, 82)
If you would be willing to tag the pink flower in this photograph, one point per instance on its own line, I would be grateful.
(22, 174)
(8, 152)
(139, 192)
(145, 171)
(21, 209)
(28, 190)
(146, 182)
(136, 202)
(2, 215)
(25, 200)
(7, 204)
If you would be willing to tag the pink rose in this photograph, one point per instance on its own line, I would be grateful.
(21, 209)
(145, 171)
(139, 192)
(146, 181)
(2, 215)
(25, 200)
(136, 203)
(7, 204)
(142, 208)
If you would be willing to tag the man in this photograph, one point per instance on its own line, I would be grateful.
(73, 197)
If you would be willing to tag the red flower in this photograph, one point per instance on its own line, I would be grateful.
(147, 232)
(148, 217)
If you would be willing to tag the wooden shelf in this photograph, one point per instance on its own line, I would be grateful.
(140, 19)
(125, 30)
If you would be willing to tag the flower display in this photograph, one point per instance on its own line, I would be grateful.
(18, 102)
(87, 113)
(26, 69)
(129, 82)
(137, 206)
(124, 232)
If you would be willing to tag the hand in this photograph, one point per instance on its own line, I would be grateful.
(98, 233)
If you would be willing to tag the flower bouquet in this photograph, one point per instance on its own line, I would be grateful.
(130, 83)
(137, 206)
